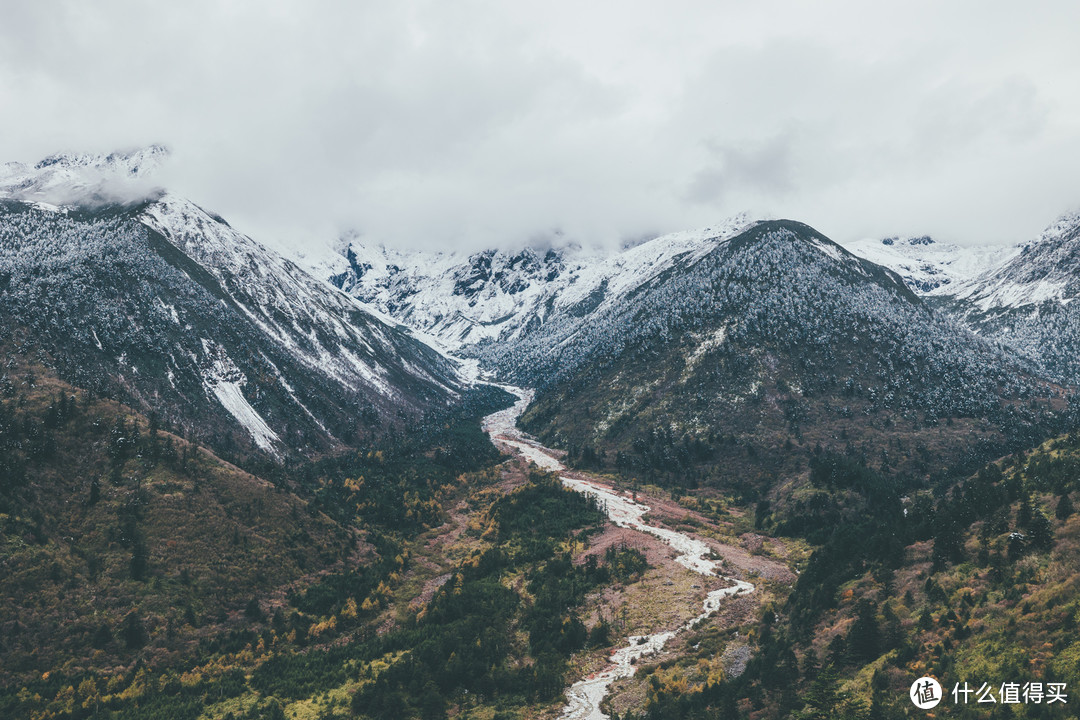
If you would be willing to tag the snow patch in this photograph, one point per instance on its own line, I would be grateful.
(713, 340)
(224, 380)
(231, 397)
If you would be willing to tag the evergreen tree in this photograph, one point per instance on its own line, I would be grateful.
(1024, 514)
(822, 697)
(892, 631)
(1064, 507)
(133, 631)
(101, 637)
(864, 638)
(140, 558)
(1041, 532)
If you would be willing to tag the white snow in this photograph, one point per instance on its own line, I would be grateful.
(70, 178)
(286, 303)
(710, 342)
(1040, 271)
(170, 310)
(224, 380)
(447, 295)
(929, 267)
(231, 397)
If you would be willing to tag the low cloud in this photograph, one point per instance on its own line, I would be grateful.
(480, 123)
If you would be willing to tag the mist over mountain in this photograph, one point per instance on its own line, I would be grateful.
(164, 305)
(815, 415)
(756, 332)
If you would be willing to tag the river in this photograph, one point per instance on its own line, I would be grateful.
(584, 696)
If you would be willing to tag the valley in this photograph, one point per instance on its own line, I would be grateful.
(756, 474)
(587, 695)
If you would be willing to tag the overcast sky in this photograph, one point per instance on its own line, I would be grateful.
(462, 124)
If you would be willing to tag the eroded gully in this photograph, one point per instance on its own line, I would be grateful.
(584, 696)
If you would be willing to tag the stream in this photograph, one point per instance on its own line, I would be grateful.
(584, 696)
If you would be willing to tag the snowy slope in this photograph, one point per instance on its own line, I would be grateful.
(326, 329)
(78, 179)
(929, 267)
(777, 335)
(466, 300)
(1026, 302)
(172, 308)
(1047, 269)
(986, 279)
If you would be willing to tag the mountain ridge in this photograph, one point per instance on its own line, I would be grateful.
(169, 306)
(765, 334)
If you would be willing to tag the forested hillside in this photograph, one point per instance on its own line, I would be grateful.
(171, 311)
(972, 580)
(778, 339)
(143, 575)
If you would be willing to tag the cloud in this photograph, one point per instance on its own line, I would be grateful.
(477, 123)
(763, 168)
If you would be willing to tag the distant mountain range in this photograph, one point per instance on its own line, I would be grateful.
(467, 300)
(754, 330)
(760, 332)
(234, 483)
(930, 267)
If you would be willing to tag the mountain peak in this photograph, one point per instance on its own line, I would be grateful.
(68, 178)
(1065, 227)
(136, 161)
(929, 266)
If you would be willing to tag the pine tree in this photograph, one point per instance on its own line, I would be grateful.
(140, 558)
(1064, 507)
(822, 697)
(864, 638)
(1024, 514)
(1041, 532)
(134, 633)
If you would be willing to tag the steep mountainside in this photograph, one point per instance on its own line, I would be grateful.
(143, 576)
(776, 335)
(170, 309)
(755, 334)
(1027, 302)
(121, 543)
(1042, 270)
(1020, 295)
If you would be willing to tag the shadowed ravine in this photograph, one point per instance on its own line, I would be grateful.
(586, 695)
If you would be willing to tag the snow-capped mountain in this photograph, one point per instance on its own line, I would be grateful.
(774, 335)
(1020, 295)
(500, 296)
(80, 179)
(1026, 301)
(1046, 269)
(711, 331)
(929, 267)
(168, 307)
